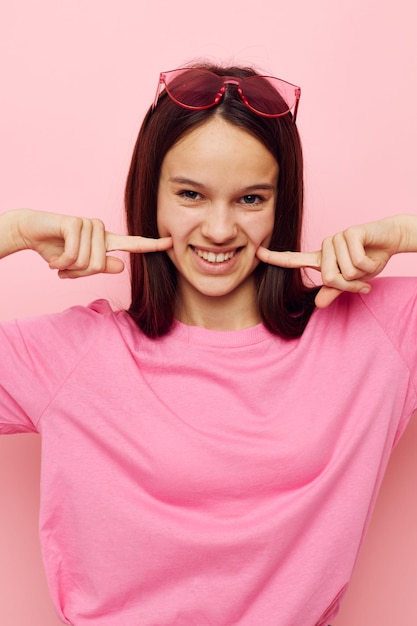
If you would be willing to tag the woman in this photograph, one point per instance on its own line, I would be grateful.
(212, 455)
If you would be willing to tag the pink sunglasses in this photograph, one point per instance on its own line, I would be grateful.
(199, 89)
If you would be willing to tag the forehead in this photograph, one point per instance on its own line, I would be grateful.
(221, 145)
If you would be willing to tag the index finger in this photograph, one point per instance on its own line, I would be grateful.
(290, 259)
(129, 243)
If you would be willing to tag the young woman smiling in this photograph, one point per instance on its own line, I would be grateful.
(221, 467)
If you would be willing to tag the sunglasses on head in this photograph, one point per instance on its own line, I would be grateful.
(198, 89)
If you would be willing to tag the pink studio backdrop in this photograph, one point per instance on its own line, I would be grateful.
(76, 79)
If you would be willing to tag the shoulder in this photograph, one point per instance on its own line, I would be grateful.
(389, 297)
(74, 329)
(387, 316)
(95, 314)
(402, 289)
(391, 307)
(392, 301)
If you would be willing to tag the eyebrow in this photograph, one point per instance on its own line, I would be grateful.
(181, 180)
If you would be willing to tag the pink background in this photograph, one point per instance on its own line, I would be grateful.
(76, 79)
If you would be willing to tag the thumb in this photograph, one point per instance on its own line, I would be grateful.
(114, 265)
(326, 296)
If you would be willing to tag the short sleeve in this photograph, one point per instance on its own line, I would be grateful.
(37, 355)
(393, 303)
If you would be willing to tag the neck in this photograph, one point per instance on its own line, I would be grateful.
(229, 312)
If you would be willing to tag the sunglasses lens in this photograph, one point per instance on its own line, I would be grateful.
(269, 96)
(196, 88)
(193, 88)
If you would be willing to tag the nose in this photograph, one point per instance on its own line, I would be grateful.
(219, 224)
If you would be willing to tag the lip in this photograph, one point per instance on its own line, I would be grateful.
(219, 267)
(216, 250)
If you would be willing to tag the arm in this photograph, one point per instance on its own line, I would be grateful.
(9, 238)
(348, 259)
(75, 246)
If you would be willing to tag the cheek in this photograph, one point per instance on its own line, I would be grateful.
(170, 225)
(268, 233)
(261, 230)
(176, 221)
(162, 219)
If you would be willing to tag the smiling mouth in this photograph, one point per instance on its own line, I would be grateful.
(213, 257)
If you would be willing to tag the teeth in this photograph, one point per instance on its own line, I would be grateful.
(211, 257)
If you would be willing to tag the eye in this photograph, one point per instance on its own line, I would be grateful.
(189, 194)
(252, 199)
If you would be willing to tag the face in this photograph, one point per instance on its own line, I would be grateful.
(216, 199)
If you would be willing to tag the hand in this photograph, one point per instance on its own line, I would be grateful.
(350, 258)
(78, 246)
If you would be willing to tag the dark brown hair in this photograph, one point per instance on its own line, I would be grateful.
(285, 302)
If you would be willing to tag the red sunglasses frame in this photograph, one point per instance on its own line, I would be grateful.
(166, 78)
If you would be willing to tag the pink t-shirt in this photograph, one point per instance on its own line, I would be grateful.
(209, 478)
